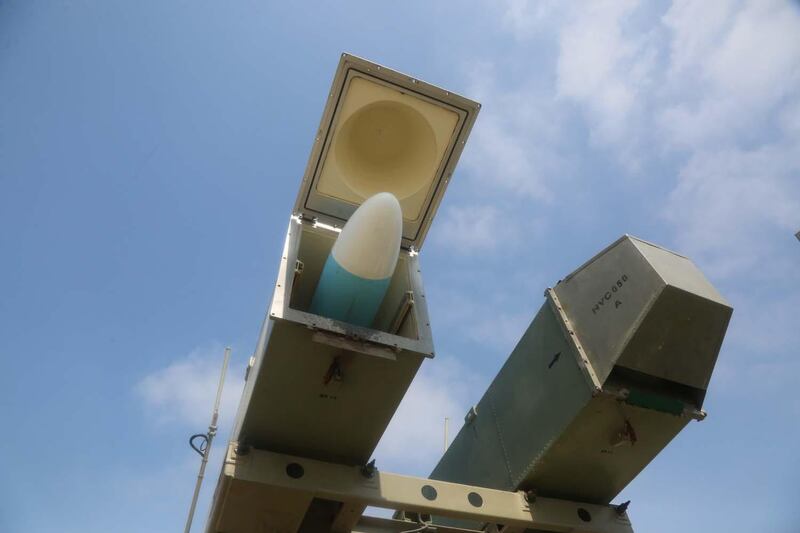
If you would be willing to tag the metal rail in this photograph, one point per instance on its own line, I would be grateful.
(260, 489)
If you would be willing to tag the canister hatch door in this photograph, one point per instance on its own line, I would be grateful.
(383, 131)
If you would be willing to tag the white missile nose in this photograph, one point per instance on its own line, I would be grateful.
(369, 243)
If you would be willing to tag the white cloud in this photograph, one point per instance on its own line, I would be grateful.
(502, 331)
(729, 206)
(711, 87)
(707, 94)
(513, 162)
(509, 159)
(472, 228)
(524, 18)
(514, 145)
(480, 229)
(698, 28)
(734, 83)
(414, 440)
(495, 318)
(183, 392)
(769, 330)
(759, 59)
(606, 67)
(789, 119)
(731, 68)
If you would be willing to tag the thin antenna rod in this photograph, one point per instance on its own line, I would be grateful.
(446, 421)
(209, 437)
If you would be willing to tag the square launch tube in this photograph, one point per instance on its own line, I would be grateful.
(324, 389)
(320, 388)
(614, 365)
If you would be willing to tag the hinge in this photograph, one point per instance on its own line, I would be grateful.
(305, 219)
(316, 223)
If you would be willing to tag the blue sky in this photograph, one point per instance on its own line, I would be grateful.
(150, 153)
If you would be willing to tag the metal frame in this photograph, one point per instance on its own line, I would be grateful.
(280, 310)
(294, 482)
(362, 340)
(577, 348)
(285, 325)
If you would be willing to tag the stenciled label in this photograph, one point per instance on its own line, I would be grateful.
(610, 298)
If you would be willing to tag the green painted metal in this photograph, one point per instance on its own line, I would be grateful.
(656, 402)
(613, 366)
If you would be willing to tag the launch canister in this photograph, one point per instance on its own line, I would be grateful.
(363, 259)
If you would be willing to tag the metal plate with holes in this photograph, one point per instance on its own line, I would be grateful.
(259, 492)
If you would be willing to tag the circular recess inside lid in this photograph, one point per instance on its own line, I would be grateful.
(386, 146)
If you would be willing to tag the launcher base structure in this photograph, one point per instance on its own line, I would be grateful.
(262, 491)
(613, 366)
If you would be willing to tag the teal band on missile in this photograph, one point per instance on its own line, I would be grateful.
(344, 296)
(362, 261)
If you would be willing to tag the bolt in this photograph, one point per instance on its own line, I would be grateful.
(369, 469)
(242, 449)
(621, 508)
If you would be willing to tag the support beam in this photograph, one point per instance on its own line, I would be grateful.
(347, 517)
(269, 491)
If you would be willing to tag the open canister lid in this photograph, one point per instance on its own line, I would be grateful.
(383, 131)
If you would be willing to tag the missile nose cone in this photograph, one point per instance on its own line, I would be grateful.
(369, 243)
(362, 261)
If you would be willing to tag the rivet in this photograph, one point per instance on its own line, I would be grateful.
(295, 470)
(475, 499)
(429, 492)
